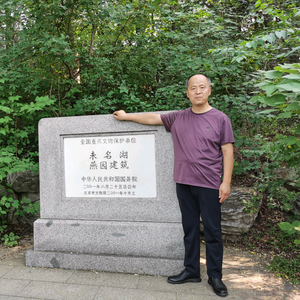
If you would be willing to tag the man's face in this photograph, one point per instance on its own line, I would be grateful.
(198, 90)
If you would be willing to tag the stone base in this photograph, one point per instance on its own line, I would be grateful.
(128, 247)
(106, 263)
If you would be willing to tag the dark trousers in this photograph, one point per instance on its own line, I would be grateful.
(194, 201)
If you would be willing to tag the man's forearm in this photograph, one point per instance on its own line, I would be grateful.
(144, 118)
(227, 172)
(224, 190)
(228, 161)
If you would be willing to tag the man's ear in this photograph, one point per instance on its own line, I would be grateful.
(209, 91)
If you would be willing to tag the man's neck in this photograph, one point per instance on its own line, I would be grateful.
(201, 109)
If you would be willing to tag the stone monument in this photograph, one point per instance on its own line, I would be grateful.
(107, 198)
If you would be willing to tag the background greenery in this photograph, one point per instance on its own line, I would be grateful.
(78, 57)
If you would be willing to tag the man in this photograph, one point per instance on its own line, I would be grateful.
(203, 139)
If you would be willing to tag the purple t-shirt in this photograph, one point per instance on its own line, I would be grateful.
(197, 138)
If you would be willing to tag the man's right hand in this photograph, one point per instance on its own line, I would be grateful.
(120, 115)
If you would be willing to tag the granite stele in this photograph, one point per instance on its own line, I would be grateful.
(108, 200)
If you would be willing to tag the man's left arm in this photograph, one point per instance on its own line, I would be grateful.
(224, 190)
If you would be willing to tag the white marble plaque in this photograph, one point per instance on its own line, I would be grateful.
(110, 166)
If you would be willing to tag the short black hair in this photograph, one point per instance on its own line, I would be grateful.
(187, 82)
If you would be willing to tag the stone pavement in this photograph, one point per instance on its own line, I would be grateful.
(244, 274)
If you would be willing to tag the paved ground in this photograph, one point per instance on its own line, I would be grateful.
(244, 274)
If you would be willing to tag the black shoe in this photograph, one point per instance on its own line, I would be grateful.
(184, 277)
(218, 286)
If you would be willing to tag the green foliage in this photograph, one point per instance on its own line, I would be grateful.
(281, 89)
(284, 254)
(5, 206)
(292, 229)
(2, 227)
(10, 239)
(252, 152)
(288, 269)
(21, 208)
(25, 206)
(18, 131)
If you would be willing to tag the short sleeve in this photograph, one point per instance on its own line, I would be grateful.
(168, 119)
(226, 133)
